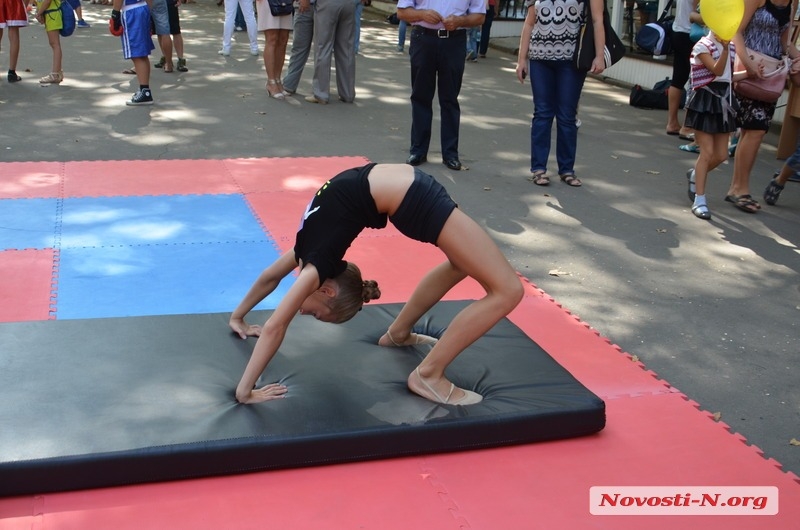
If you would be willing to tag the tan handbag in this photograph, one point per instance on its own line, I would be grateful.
(768, 88)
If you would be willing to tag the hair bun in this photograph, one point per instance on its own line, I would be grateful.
(370, 290)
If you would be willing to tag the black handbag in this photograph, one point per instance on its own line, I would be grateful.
(280, 8)
(584, 50)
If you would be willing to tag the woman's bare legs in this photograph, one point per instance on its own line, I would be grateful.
(459, 239)
(746, 152)
(274, 55)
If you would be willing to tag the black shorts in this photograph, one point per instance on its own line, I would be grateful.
(424, 210)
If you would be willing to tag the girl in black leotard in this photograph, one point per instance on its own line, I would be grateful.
(332, 290)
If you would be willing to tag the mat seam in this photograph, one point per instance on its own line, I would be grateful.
(59, 222)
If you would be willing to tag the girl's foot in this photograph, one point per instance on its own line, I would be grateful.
(452, 396)
(13, 77)
(412, 339)
(53, 78)
(700, 208)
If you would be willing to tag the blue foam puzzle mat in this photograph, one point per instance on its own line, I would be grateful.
(111, 221)
(28, 223)
(169, 279)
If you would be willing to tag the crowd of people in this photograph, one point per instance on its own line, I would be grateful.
(720, 121)
(444, 35)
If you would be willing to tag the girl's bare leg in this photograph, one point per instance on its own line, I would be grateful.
(430, 290)
(460, 238)
(54, 40)
(13, 41)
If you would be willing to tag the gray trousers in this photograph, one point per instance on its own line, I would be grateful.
(334, 37)
(301, 48)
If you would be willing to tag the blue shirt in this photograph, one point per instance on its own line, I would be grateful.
(445, 8)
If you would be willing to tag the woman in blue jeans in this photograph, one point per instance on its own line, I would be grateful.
(547, 44)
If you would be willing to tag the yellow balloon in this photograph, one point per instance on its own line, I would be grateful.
(722, 16)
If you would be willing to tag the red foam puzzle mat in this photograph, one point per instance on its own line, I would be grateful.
(654, 435)
(26, 284)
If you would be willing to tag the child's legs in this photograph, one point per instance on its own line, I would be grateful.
(459, 239)
(142, 67)
(791, 166)
(54, 39)
(13, 47)
(713, 152)
(432, 288)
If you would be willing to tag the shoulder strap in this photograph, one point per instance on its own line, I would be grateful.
(667, 8)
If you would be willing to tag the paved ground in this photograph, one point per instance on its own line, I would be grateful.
(712, 307)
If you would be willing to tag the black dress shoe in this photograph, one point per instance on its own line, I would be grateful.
(453, 163)
(415, 160)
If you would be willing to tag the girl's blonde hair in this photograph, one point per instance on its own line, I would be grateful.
(352, 294)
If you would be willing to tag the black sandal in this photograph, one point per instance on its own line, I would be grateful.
(571, 180)
(772, 192)
(540, 178)
(744, 202)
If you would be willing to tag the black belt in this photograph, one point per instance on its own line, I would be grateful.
(441, 33)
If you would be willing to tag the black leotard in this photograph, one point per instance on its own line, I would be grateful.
(344, 206)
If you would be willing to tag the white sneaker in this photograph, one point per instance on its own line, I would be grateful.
(224, 52)
(254, 53)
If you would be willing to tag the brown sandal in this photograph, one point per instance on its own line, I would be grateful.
(540, 178)
(571, 180)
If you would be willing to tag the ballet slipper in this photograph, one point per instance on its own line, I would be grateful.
(413, 340)
(469, 398)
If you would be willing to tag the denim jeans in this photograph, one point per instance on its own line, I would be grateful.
(793, 161)
(556, 87)
(401, 35)
(473, 40)
(359, 12)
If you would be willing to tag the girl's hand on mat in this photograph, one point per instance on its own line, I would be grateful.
(266, 393)
(241, 328)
